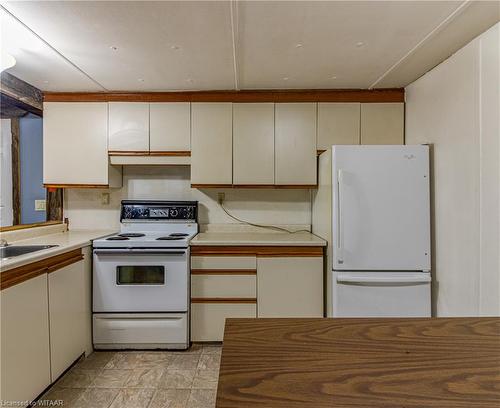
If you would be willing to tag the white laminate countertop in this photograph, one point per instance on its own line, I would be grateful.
(66, 241)
(256, 238)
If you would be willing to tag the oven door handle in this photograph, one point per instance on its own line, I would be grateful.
(136, 251)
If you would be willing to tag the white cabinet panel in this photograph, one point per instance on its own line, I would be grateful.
(338, 124)
(253, 143)
(290, 287)
(25, 363)
(208, 319)
(170, 127)
(68, 316)
(211, 143)
(75, 140)
(223, 286)
(382, 123)
(295, 143)
(128, 126)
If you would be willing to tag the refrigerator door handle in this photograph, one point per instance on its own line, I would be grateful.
(340, 229)
(360, 279)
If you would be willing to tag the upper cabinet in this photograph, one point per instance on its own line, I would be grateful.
(295, 144)
(128, 127)
(253, 143)
(170, 127)
(382, 123)
(338, 124)
(211, 144)
(75, 151)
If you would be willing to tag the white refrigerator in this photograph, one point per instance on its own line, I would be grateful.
(372, 205)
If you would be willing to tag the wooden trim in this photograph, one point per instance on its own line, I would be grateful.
(76, 185)
(19, 94)
(25, 226)
(23, 273)
(183, 153)
(275, 95)
(211, 186)
(128, 153)
(62, 264)
(257, 186)
(223, 272)
(16, 171)
(54, 211)
(223, 300)
(262, 251)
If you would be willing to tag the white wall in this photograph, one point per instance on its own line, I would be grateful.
(283, 207)
(455, 108)
(6, 214)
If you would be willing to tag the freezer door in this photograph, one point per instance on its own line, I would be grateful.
(381, 294)
(381, 208)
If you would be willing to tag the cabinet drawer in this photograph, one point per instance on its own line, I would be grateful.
(220, 286)
(224, 262)
(208, 319)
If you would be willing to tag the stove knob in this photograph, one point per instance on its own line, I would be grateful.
(174, 212)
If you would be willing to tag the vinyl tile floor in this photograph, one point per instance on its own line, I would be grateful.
(146, 379)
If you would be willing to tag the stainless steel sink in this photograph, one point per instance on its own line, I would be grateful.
(11, 251)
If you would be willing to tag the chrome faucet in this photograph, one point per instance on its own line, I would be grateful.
(3, 243)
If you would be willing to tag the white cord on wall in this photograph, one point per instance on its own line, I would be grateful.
(274, 227)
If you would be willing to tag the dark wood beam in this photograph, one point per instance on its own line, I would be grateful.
(19, 94)
(278, 95)
(16, 172)
(54, 205)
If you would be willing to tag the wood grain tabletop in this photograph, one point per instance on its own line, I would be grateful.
(369, 363)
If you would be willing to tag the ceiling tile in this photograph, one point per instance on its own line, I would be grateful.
(330, 35)
(139, 46)
(37, 63)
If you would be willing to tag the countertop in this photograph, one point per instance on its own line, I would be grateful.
(256, 238)
(66, 241)
(328, 363)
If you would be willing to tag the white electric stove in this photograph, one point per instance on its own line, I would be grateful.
(141, 277)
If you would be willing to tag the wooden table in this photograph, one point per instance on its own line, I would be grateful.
(443, 362)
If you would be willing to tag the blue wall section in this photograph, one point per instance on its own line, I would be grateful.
(31, 156)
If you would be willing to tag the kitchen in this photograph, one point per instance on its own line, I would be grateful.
(216, 203)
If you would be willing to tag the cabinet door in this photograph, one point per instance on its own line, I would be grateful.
(290, 287)
(68, 316)
(211, 144)
(25, 363)
(295, 144)
(170, 127)
(208, 319)
(75, 144)
(382, 123)
(128, 127)
(338, 124)
(253, 143)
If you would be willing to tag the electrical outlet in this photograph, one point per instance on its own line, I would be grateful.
(105, 198)
(221, 197)
(40, 205)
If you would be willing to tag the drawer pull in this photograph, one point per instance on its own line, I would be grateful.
(223, 300)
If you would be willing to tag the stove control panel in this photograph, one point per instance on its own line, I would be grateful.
(132, 210)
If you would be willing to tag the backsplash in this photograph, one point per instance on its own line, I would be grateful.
(267, 206)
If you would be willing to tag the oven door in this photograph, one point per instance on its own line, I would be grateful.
(140, 280)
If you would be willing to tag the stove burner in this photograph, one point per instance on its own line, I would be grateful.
(168, 238)
(131, 235)
(117, 238)
(178, 234)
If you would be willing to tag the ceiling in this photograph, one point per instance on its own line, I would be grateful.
(208, 45)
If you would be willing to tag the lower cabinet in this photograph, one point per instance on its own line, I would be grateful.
(290, 287)
(252, 282)
(45, 322)
(25, 358)
(208, 319)
(67, 316)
